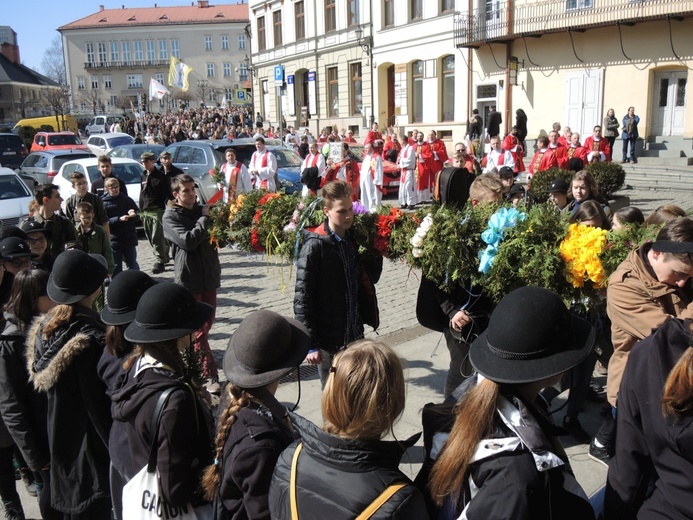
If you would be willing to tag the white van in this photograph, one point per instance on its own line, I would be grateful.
(100, 124)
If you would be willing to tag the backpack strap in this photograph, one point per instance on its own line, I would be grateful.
(154, 428)
(292, 486)
(378, 502)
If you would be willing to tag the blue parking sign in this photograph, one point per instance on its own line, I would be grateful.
(278, 75)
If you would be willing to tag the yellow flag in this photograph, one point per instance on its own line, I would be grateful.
(178, 74)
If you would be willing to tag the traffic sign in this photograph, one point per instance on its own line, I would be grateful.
(278, 75)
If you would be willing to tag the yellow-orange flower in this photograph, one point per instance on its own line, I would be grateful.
(580, 251)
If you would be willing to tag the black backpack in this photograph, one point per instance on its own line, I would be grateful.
(452, 185)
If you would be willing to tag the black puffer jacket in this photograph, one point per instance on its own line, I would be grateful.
(21, 408)
(339, 478)
(320, 295)
(78, 417)
(196, 261)
(123, 233)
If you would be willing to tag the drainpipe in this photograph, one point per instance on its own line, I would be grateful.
(315, 54)
(508, 86)
(470, 69)
(370, 67)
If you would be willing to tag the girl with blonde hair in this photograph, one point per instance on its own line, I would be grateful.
(344, 469)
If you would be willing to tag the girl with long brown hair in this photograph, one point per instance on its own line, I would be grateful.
(500, 460)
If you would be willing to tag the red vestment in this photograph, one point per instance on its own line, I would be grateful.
(598, 146)
(543, 160)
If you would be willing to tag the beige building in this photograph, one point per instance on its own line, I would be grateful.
(569, 61)
(111, 55)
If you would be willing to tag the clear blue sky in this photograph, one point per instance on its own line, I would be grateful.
(36, 21)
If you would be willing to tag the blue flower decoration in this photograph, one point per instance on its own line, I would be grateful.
(500, 222)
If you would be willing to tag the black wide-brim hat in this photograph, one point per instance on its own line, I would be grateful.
(167, 311)
(75, 276)
(31, 226)
(265, 347)
(12, 248)
(531, 336)
(124, 294)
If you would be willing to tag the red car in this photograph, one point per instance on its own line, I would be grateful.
(57, 141)
(391, 172)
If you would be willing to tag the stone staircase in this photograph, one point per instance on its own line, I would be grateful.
(674, 151)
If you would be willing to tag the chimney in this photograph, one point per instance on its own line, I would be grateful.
(11, 52)
(203, 3)
(101, 8)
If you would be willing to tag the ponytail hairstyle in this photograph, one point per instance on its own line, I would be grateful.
(473, 422)
(365, 392)
(677, 395)
(237, 399)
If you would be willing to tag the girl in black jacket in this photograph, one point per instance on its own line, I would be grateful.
(343, 468)
(254, 427)
(19, 405)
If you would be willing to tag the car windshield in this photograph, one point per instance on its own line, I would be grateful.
(59, 160)
(62, 140)
(129, 173)
(135, 152)
(286, 158)
(12, 188)
(120, 141)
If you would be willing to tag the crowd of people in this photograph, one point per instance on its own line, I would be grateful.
(99, 394)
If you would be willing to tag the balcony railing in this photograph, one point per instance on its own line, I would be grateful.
(508, 20)
(126, 64)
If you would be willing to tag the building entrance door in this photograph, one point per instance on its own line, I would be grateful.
(669, 103)
(583, 101)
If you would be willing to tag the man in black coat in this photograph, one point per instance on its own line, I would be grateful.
(494, 122)
(156, 192)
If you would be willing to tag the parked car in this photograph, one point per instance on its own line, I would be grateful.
(198, 159)
(135, 151)
(58, 124)
(56, 141)
(44, 166)
(102, 143)
(391, 172)
(12, 150)
(99, 125)
(15, 197)
(127, 170)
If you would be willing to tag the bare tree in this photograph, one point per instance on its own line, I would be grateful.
(53, 64)
(124, 103)
(92, 97)
(179, 95)
(57, 100)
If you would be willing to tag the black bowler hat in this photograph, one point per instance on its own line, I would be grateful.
(558, 185)
(31, 226)
(506, 170)
(531, 336)
(264, 348)
(123, 295)
(12, 248)
(75, 276)
(166, 311)
(12, 231)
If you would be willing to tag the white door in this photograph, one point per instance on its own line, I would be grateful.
(669, 103)
(493, 20)
(583, 101)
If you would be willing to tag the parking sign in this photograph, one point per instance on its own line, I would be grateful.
(278, 75)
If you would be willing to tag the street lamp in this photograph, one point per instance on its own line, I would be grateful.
(364, 42)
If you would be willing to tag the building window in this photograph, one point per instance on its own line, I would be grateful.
(107, 81)
(159, 76)
(356, 89)
(151, 51)
(134, 80)
(228, 94)
(333, 92)
(83, 106)
(448, 88)
(115, 55)
(90, 53)
(208, 43)
(416, 9)
(389, 17)
(102, 52)
(241, 41)
(417, 70)
(354, 17)
(330, 15)
(261, 42)
(80, 83)
(224, 43)
(126, 51)
(300, 21)
(139, 55)
(210, 70)
(447, 6)
(227, 70)
(277, 19)
(486, 91)
(242, 72)
(175, 49)
(95, 82)
(112, 101)
(572, 5)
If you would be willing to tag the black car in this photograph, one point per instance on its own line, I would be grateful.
(43, 166)
(198, 158)
(12, 150)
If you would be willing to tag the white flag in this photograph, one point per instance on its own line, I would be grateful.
(178, 74)
(156, 90)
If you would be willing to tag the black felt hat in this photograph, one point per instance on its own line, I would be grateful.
(75, 276)
(167, 311)
(12, 248)
(531, 336)
(124, 294)
(264, 348)
(558, 185)
(12, 231)
(31, 226)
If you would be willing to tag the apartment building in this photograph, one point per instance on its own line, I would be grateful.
(569, 61)
(111, 55)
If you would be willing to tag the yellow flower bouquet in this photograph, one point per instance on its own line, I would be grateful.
(580, 250)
